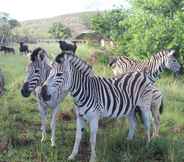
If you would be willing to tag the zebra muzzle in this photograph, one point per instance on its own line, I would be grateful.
(25, 90)
(44, 93)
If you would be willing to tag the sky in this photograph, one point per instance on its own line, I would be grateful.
(35, 9)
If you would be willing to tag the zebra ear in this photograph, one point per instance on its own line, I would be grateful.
(172, 53)
(59, 59)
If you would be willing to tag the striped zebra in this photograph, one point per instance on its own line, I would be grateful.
(97, 97)
(37, 73)
(164, 59)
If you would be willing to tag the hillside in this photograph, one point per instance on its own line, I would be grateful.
(77, 22)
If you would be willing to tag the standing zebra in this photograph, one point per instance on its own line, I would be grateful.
(164, 59)
(38, 71)
(97, 97)
(152, 67)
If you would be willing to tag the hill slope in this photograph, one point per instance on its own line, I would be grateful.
(78, 22)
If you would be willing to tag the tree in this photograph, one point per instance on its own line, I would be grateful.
(7, 24)
(153, 25)
(59, 31)
(107, 23)
(147, 27)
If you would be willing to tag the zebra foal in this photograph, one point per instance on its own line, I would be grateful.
(97, 97)
(37, 73)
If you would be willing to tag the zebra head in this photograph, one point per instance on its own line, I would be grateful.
(59, 78)
(37, 71)
(65, 46)
(171, 62)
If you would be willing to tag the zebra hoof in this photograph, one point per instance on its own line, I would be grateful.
(129, 138)
(71, 157)
(53, 144)
(93, 159)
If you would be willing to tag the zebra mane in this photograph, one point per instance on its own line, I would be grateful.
(36, 51)
(163, 53)
(75, 61)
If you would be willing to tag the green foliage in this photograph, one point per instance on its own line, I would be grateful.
(58, 30)
(6, 25)
(166, 8)
(147, 27)
(152, 26)
(20, 121)
(107, 23)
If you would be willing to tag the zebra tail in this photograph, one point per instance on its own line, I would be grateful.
(161, 109)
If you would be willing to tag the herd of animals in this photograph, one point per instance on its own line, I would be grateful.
(23, 48)
(132, 89)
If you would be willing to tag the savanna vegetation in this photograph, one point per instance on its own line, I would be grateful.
(145, 28)
(20, 123)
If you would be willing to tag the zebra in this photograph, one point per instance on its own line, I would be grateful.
(97, 97)
(38, 71)
(152, 67)
(165, 59)
(66, 46)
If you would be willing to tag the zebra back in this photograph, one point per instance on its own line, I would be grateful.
(152, 67)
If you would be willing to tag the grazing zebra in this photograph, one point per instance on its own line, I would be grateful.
(38, 71)
(97, 97)
(164, 59)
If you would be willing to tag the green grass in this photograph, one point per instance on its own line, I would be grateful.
(20, 123)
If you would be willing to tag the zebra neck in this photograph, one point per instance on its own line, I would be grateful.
(45, 73)
(80, 88)
(155, 68)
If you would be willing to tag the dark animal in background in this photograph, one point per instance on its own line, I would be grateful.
(2, 83)
(24, 48)
(65, 46)
(7, 49)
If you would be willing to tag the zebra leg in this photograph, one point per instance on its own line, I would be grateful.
(78, 136)
(53, 125)
(132, 125)
(93, 128)
(43, 115)
(146, 115)
(156, 116)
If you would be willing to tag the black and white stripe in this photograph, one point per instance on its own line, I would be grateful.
(37, 73)
(97, 97)
(164, 59)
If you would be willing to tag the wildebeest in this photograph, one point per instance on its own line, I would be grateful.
(7, 49)
(24, 48)
(65, 46)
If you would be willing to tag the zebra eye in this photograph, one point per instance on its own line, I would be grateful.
(58, 74)
(174, 61)
(36, 71)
